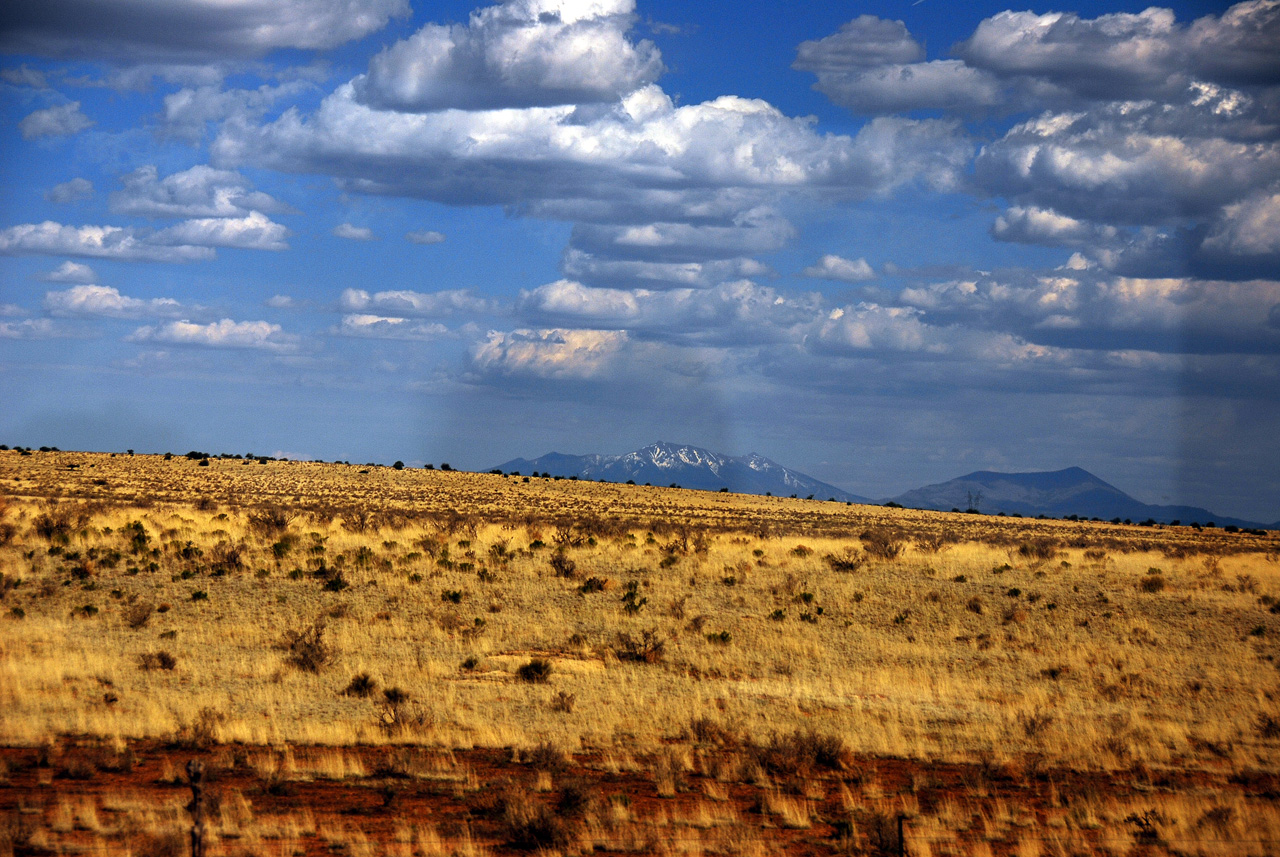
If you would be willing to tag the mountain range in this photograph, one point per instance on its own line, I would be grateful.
(687, 466)
(1056, 494)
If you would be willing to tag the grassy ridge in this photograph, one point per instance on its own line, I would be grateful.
(914, 634)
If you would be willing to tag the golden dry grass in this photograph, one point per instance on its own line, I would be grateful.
(1087, 656)
(153, 599)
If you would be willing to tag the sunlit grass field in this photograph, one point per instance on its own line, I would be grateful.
(306, 604)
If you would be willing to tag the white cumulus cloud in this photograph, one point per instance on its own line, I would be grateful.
(71, 191)
(102, 242)
(873, 65)
(354, 233)
(188, 241)
(871, 330)
(720, 163)
(552, 354)
(522, 53)
(1118, 164)
(864, 42)
(832, 267)
(61, 121)
(1112, 56)
(1166, 313)
(1031, 225)
(601, 271)
(70, 272)
(1250, 227)
(104, 301)
(868, 327)
(189, 111)
(255, 231)
(1015, 60)
(226, 333)
(403, 302)
(368, 326)
(200, 191)
(740, 313)
(31, 328)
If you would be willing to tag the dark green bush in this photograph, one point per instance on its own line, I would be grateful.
(537, 671)
(591, 584)
(361, 686)
(631, 599)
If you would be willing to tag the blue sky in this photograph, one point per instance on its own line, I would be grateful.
(881, 243)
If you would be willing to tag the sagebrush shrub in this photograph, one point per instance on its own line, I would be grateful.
(800, 753)
(1038, 550)
(270, 522)
(562, 565)
(882, 543)
(847, 563)
(592, 584)
(306, 647)
(546, 756)
(361, 686)
(934, 543)
(532, 826)
(54, 527)
(537, 671)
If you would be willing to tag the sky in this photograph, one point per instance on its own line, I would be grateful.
(882, 243)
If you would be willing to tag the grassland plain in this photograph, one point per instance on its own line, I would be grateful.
(480, 663)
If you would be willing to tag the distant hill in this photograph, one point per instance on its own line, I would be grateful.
(687, 466)
(1056, 493)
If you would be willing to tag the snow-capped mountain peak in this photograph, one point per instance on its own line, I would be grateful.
(665, 463)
